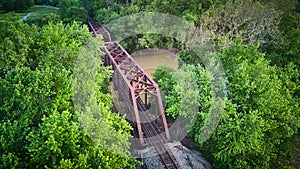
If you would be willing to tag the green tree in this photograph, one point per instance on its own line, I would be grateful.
(56, 139)
(70, 10)
(46, 19)
(187, 93)
(37, 111)
(47, 2)
(106, 15)
(60, 142)
(16, 43)
(259, 126)
(263, 116)
(287, 48)
(14, 5)
(253, 21)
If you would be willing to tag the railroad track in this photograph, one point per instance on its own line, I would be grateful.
(157, 141)
(151, 132)
(99, 29)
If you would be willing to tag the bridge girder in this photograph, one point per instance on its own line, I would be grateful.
(137, 80)
(132, 78)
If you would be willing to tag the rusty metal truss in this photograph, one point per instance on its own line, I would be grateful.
(131, 82)
(98, 29)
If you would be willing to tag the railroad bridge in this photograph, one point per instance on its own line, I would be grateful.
(138, 96)
(134, 88)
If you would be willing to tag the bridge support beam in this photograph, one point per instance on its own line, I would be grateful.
(136, 82)
(137, 118)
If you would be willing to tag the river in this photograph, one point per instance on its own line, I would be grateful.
(149, 59)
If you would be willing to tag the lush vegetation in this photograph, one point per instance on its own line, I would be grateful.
(47, 121)
(259, 127)
(258, 45)
(15, 5)
(39, 122)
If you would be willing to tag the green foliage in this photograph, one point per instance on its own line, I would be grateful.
(187, 92)
(17, 40)
(188, 57)
(70, 10)
(260, 123)
(39, 127)
(46, 19)
(204, 89)
(105, 12)
(238, 141)
(188, 10)
(88, 5)
(184, 103)
(56, 139)
(163, 75)
(106, 15)
(288, 49)
(262, 116)
(39, 123)
(15, 5)
(75, 13)
(290, 20)
(47, 2)
(253, 21)
(12, 147)
(107, 130)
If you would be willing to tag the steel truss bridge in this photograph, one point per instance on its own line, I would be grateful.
(138, 96)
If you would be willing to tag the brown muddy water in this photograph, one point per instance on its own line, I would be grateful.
(149, 59)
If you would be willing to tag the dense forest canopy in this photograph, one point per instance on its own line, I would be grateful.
(39, 123)
(44, 61)
(15, 5)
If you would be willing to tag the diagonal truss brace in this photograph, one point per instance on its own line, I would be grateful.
(136, 79)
